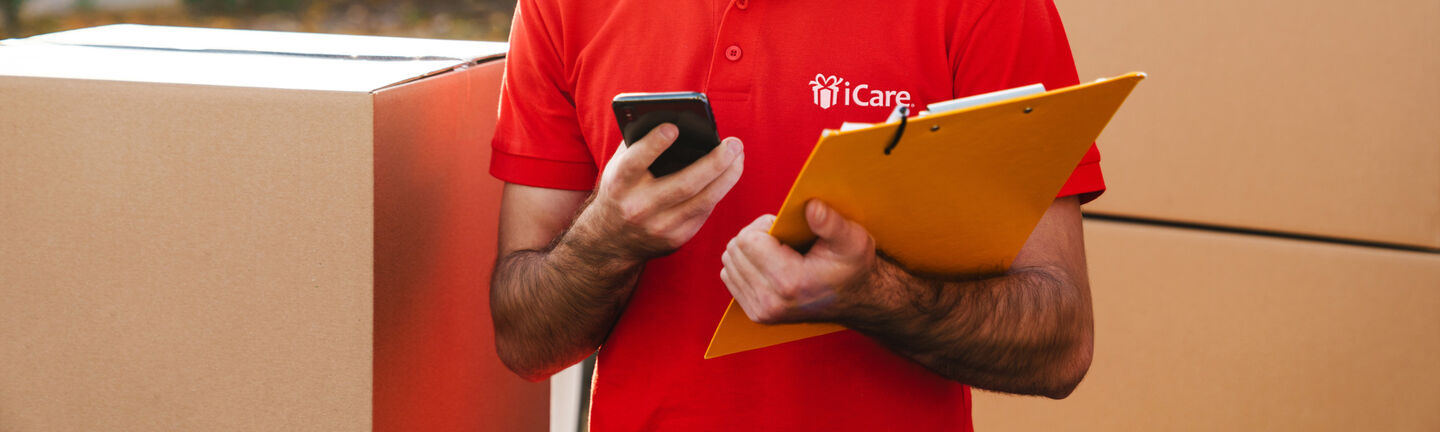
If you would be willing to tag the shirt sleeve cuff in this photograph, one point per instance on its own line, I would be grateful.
(544, 173)
(1086, 181)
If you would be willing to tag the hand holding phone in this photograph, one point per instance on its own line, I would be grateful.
(638, 113)
(634, 216)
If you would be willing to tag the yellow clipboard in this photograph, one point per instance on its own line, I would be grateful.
(958, 194)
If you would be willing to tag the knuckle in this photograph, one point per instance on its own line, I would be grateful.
(674, 242)
(633, 212)
(741, 242)
(656, 232)
(684, 233)
(674, 194)
(749, 313)
(690, 189)
(752, 239)
(769, 314)
(700, 212)
(717, 164)
(786, 288)
(759, 313)
(717, 171)
(671, 235)
(609, 185)
(733, 250)
(729, 282)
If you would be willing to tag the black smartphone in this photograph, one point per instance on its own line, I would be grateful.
(638, 113)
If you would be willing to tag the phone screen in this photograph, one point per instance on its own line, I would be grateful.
(638, 113)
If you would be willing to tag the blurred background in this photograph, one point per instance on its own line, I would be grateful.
(443, 19)
(1267, 256)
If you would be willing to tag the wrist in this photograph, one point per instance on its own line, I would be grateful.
(590, 242)
(883, 295)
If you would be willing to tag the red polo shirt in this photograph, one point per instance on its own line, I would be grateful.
(776, 73)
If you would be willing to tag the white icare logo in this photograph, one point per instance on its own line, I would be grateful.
(828, 91)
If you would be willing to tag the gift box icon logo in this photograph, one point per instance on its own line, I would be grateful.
(826, 90)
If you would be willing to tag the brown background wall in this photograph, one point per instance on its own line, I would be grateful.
(1296, 116)
(1204, 331)
(1308, 125)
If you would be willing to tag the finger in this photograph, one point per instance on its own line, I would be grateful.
(689, 181)
(762, 223)
(835, 232)
(766, 253)
(711, 195)
(643, 152)
(740, 292)
(740, 266)
(730, 283)
(738, 282)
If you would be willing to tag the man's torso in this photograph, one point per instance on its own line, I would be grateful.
(776, 72)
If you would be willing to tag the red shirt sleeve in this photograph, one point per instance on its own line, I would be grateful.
(538, 141)
(1016, 43)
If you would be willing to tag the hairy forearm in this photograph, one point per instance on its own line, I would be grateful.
(555, 306)
(1028, 331)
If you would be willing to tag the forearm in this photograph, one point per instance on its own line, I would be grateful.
(555, 306)
(1028, 331)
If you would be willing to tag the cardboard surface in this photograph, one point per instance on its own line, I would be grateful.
(436, 220)
(981, 177)
(1292, 116)
(1202, 331)
(229, 256)
(171, 259)
(242, 58)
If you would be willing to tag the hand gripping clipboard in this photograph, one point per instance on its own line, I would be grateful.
(957, 194)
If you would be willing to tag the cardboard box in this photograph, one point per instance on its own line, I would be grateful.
(234, 230)
(1204, 331)
(1290, 116)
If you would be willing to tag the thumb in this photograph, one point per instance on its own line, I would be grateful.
(643, 152)
(836, 233)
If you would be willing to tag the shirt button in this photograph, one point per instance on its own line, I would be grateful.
(742, 4)
(733, 53)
